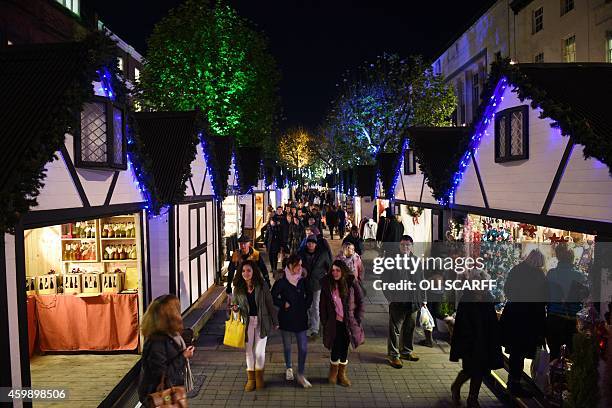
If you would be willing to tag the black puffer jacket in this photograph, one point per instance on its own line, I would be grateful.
(161, 354)
(295, 317)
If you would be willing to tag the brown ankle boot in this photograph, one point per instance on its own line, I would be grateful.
(333, 372)
(250, 385)
(259, 379)
(342, 377)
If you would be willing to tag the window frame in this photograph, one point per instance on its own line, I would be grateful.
(507, 113)
(538, 58)
(409, 165)
(564, 51)
(534, 20)
(72, 7)
(475, 92)
(110, 138)
(564, 6)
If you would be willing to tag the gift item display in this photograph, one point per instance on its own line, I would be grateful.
(91, 257)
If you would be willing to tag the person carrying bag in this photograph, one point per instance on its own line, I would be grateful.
(165, 359)
(235, 330)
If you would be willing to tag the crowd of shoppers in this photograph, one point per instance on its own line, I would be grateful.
(318, 293)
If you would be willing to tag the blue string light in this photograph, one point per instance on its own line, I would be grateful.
(205, 149)
(398, 169)
(474, 144)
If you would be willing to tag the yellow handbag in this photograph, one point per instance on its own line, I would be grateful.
(235, 331)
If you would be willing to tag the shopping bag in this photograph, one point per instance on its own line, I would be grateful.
(540, 370)
(235, 331)
(427, 320)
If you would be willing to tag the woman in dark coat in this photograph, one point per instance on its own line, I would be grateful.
(523, 320)
(476, 342)
(293, 297)
(164, 351)
(296, 235)
(341, 312)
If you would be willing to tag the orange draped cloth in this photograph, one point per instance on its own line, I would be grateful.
(99, 323)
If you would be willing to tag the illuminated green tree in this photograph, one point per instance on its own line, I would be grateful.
(213, 59)
(378, 102)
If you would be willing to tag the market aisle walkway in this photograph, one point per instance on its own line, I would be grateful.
(424, 383)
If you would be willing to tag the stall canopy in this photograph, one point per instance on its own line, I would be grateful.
(169, 141)
(42, 88)
(366, 180)
(438, 151)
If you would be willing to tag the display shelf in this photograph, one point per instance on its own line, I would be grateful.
(118, 239)
(119, 260)
(79, 239)
(76, 261)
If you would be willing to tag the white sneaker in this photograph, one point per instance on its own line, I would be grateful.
(304, 382)
(289, 374)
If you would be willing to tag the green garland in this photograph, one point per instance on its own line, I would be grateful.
(439, 179)
(583, 379)
(19, 195)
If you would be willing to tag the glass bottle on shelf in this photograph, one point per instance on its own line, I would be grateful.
(77, 255)
(133, 252)
(105, 231)
(122, 253)
(115, 253)
(105, 253)
(111, 231)
(82, 230)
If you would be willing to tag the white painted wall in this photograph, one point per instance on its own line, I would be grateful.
(159, 255)
(409, 188)
(198, 170)
(521, 185)
(11, 295)
(59, 190)
(585, 190)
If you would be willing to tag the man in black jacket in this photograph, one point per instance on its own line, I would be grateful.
(317, 261)
(403, 307)
(273, 243)
(354, 238)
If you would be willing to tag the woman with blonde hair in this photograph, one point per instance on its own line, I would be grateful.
(523, 320)
(164, 352)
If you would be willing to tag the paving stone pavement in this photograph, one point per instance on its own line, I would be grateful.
(424, 383)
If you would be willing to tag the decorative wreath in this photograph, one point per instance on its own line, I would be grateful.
(415, 211)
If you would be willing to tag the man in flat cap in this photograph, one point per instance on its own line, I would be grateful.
(245, 252)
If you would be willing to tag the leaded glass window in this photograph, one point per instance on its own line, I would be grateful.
(516, 133)
(409, 163)
(93, 133)
(100, 141)
(512, 134)
(501, 147)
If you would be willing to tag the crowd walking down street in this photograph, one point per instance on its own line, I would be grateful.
(347, 337)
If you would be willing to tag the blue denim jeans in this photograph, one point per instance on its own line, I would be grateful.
(302, 343)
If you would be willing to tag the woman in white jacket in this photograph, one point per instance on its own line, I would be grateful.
(369, 230)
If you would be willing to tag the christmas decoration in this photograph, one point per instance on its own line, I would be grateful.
(25, 180)
(415, 213)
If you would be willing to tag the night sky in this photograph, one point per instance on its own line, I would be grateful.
(315, 41)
